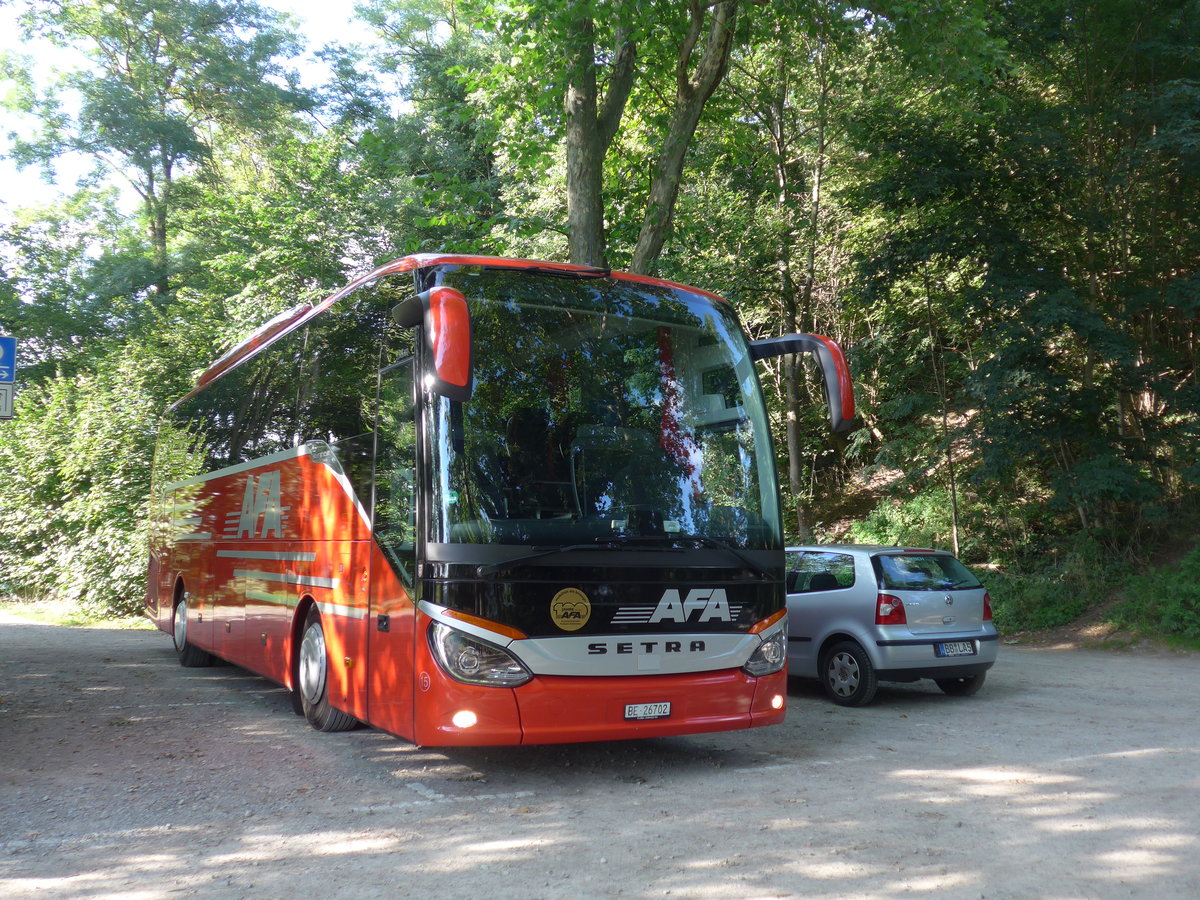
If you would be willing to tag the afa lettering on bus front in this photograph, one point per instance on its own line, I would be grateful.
(261, 516)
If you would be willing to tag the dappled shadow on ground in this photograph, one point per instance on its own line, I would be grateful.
(123, 774)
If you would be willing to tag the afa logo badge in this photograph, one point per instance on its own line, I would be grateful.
(570, 609)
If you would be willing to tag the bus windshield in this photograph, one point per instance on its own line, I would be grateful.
(602, 410)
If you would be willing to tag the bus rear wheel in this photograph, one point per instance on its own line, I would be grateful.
(190, 656)
(313, 681)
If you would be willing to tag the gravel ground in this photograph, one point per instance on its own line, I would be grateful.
(1074, 773)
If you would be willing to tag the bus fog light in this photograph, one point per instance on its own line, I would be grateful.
(464, 719)
(777, 701)
(473, 661)
(769, 657)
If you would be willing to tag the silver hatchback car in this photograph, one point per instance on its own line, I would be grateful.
(858, 615)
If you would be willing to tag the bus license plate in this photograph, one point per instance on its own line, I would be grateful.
(956, 648)
(647, 710)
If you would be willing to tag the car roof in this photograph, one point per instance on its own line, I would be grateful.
(869, 549)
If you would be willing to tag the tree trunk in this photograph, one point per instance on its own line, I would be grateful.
(591, 126)
(797, 304)
(585, 207)
(691, 93)
(775, 116)
(941, 383)
(155, 199)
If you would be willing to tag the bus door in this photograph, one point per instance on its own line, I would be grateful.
(391, 619)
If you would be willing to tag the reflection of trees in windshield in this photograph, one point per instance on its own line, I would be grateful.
(587, 423)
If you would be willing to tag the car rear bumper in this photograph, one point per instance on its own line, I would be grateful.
(959, 671)
(908, 659)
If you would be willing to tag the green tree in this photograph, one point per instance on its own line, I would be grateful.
(568, 72)
(778, 141)
(73, 493)
(424, 155)
(107, 336)
(160, 77)
(76, 275)
(1044, 231)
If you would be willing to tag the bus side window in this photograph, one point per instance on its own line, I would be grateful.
(335, 395)
(395, 468)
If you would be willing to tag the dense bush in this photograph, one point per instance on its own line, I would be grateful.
(1164, 602)
(1033, 602)
(74, 478)
(923, 520)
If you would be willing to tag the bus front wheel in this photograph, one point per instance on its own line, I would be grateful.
(190, 656)
(314, 680)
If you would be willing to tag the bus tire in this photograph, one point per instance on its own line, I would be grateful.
(190, 656)
(313, 681)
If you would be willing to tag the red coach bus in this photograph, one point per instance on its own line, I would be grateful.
(471, 500)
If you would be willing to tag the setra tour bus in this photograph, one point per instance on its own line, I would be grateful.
(471, 500)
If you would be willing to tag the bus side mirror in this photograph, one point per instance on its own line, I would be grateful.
(839, 389)
(446, 321)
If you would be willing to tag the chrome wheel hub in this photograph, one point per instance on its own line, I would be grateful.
(179, 632)
(843, 674)
(312, 664)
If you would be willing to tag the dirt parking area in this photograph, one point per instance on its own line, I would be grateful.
(1074, 773)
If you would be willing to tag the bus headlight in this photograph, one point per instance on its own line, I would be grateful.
(469, 659)
(769, 657)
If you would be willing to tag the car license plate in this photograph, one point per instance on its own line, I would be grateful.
(955, 648)
(647, 710)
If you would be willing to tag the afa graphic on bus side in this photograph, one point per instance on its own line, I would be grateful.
(470, 500)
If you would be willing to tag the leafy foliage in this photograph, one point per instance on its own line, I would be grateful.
(75, 487)
(1056, 592)
(993, 207)
(1164, 602)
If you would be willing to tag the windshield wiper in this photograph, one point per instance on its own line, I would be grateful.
(703, 540)
(654, 542)
(539, 552)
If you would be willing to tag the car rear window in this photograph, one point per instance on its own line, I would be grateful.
(923, 572)
(811, 571)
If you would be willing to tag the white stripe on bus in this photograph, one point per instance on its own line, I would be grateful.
(266, 554)
(266, 597)
(287, 578)
(350, 612)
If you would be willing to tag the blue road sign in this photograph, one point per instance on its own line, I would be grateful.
(8, 358)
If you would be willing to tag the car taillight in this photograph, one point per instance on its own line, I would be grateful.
(889, 610)
(987, 607)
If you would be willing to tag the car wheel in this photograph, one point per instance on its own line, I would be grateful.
(314, 680)
(961, 687)
(848, 675)
(190, 656)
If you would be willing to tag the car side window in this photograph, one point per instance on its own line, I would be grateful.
(810, 571)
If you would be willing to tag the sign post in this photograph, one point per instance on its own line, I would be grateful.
(8, 374)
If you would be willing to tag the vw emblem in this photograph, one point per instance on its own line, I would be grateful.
(949, 600)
